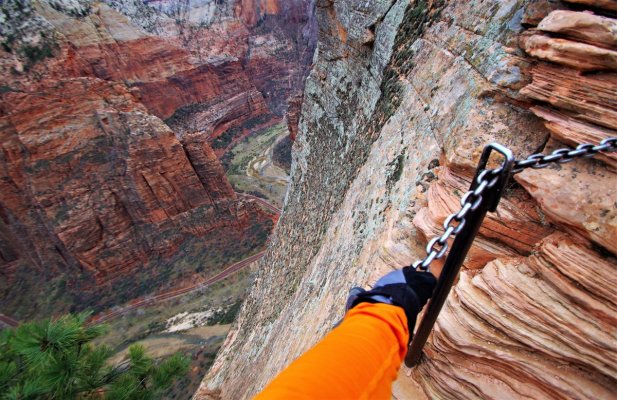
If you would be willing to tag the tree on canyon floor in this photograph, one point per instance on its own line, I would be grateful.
(56, 359)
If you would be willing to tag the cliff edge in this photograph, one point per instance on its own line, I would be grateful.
(402, 99)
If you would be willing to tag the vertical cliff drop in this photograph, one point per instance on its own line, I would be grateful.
(401, 100)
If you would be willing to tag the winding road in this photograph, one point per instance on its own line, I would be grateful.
(261, 201)
(100, 318)
(149, 301)
(8, 321)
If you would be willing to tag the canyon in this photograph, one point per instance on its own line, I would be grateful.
(128, 128)
(110, 185)
(401, 100)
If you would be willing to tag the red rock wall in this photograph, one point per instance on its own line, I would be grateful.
(282, 33)
(99, 197)
(533, 312)
(252, 11)
(293, 115)
(94, 185)
(160, 72)
(210, 84)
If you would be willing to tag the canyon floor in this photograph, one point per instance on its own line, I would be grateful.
(196, 323)
(140, 158)
(252, 169)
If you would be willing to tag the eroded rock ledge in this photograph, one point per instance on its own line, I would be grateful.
(533, 313)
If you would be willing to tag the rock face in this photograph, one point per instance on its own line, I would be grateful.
(261, 49)
(397, 109)
(100, 201)
(79, 190)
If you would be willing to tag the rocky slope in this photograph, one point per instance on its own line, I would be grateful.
(100, 200)
(401, 101)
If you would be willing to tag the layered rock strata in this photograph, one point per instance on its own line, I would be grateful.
(264, 45)
(100, 201)
(398, 107)
(95, 189)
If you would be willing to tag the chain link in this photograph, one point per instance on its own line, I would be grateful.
(488, 178)
(454, 223)
(563, 156)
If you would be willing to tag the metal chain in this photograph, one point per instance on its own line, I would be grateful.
(563, 156)
(453, 224)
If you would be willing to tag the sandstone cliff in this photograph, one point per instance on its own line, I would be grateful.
(100, 201)
(401, 100)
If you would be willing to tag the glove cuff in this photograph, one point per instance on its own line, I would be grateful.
(398, 294)
(422, 283)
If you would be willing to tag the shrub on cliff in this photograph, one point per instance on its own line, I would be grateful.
(282, 154)
(55, 359)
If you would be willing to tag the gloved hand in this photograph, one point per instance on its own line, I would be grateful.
(406, 288)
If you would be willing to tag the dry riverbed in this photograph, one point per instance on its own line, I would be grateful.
(251, 169)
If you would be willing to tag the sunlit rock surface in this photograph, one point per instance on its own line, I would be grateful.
(398, 107)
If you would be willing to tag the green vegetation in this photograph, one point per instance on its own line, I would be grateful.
(261, 230)
(40, 165)
(257, 193)
(53, 297)
(182, 115)
(55, 359)
(83, 10)
(282, 154)
(272, 192)
(395, 169)
(151, 321)
(35, 54)
(258, 120)
(62, 214)
(96, 156)
(226, 138)
(23, 34)
(227, 315)
(6, 89)
(250, 147)
(238, 158)
(147, 327)
(418, 16)
(15, 11)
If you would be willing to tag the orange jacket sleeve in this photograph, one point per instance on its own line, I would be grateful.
(359, 359)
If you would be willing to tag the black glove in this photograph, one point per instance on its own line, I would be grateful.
(406, 288)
